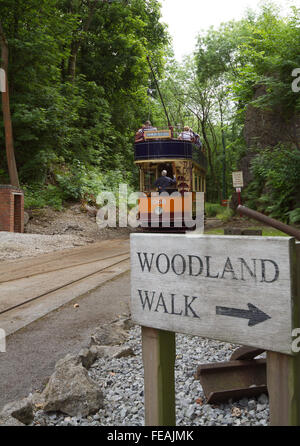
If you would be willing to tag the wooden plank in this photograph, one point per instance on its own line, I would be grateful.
(159, 360)
(283, 372)
(233, 289)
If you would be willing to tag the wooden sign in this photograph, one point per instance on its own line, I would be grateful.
(233, 289)
(237, 179)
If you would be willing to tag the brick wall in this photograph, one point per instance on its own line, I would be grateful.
(11, 209)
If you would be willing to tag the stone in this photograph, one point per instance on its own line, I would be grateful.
(109, 334)
(71, 391)
(261, 407)
(88, 356)
(22, 410)
(124, 323)
(112, 351)
(263, 399)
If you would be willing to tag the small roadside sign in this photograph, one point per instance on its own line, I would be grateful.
(237, 179)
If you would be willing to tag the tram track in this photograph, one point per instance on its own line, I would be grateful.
(65, 285)
(29, 291)
(33, 274)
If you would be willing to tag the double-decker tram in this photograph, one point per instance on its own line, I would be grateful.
(174, 208)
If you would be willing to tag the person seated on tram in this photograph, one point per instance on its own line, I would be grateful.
(197, 140)
(162, 183)
(139, 136)
(148, 126)
(187, 134)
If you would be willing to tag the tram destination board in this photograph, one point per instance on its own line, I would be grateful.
(157, 134)
(233, 289)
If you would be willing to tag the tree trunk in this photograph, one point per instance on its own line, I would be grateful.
(75, 45)
(9, 144)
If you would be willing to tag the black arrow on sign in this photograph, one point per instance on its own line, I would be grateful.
(254, 315)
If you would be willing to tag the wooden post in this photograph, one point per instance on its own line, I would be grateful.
(283, 378)
(283, 371)
(159, 393)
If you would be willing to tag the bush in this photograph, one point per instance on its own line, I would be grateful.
(276, 184)
(212, 209)
(75, 182)
(225, 215)
(294, 216)
(38, 196)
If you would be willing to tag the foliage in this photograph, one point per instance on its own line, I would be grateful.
(212, 209)
(225, 215)
(276, 186)
(261, 50)
(78, 89)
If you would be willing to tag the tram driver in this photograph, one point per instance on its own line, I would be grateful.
(164, 182)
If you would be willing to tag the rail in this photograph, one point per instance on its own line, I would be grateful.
(269, 221)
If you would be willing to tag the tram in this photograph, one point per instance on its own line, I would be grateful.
(160, 150)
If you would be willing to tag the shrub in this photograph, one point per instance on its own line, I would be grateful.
(212, 209)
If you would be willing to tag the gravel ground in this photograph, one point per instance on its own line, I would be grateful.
(15, 245)
(122, 383)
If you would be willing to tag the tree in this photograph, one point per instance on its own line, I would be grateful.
(10, 153)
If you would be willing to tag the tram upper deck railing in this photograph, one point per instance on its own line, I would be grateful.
(169, 149)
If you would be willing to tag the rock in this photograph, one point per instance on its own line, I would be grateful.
(113, 351)
(251, 404)
(122, 352)
(70, 390)
(109, 334)
(244, 402)
(22, 410)
(124, 323)
(263, 399)
(37, 398)
(88, 356)
(260, 407)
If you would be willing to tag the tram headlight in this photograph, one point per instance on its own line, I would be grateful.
(158, 210)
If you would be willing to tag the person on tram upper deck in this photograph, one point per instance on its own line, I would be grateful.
(139, 136)
(197, 140)
(148, 126)
(162, 183)
(187, 134)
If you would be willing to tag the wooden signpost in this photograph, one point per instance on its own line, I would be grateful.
(238, 183)
(241, 290)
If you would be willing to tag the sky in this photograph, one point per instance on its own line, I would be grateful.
(186, 18)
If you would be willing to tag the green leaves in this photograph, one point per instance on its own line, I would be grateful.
(276, 183)
(91, 115)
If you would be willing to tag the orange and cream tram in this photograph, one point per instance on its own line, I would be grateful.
(158, 151)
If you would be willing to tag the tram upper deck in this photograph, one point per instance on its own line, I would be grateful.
(159, 145)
